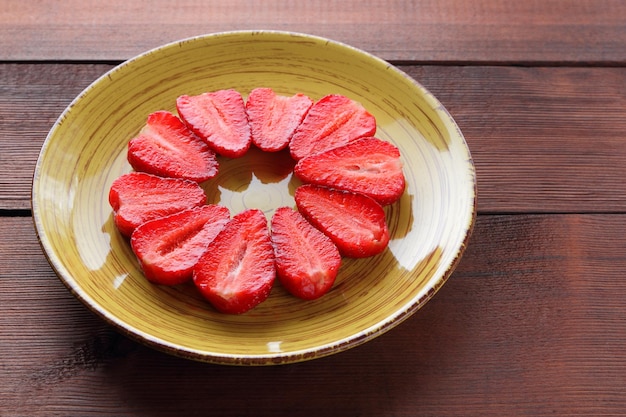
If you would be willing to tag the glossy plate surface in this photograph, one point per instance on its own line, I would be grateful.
(86, 150)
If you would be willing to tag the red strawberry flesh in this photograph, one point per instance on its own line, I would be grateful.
(307, 261)
(220, 119)
(138, 197)
(166, 147)
(355, 222)
(169, 247)
(274, 118)
(332, 121)
(237, 272)
(368, 166)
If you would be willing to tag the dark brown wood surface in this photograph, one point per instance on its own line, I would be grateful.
(532, 322)
(554, 31)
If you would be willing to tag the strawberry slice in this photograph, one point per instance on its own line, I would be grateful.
(355, 222)
(166, 147)
(169, 247)
(220, 119)
(138, 197)
(368, 166)
(274, 118)
(237, 272)
(307, 261)
(332, 121)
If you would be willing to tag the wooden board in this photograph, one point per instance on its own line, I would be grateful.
(530, 154)
(533, 316)
(553, 31)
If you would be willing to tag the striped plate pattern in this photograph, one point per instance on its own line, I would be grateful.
(86, 150)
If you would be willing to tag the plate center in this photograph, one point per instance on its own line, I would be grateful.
(262, 180)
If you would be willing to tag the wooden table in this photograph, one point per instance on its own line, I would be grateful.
(533, 321)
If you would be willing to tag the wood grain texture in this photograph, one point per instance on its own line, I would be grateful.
(541, 138)
(531, 323)
(548, 31)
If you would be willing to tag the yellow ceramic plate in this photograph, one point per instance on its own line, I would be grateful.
(86, 150)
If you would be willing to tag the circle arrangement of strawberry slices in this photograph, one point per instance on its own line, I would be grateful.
(347, 176)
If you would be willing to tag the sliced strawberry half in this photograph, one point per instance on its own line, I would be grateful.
(368, 166)
(169, 247)
(332, 121)
(307, 261)
(138, 197)
(274, 118)
(166, 147)
(237, 272)
(355, 222)
(220, 119)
